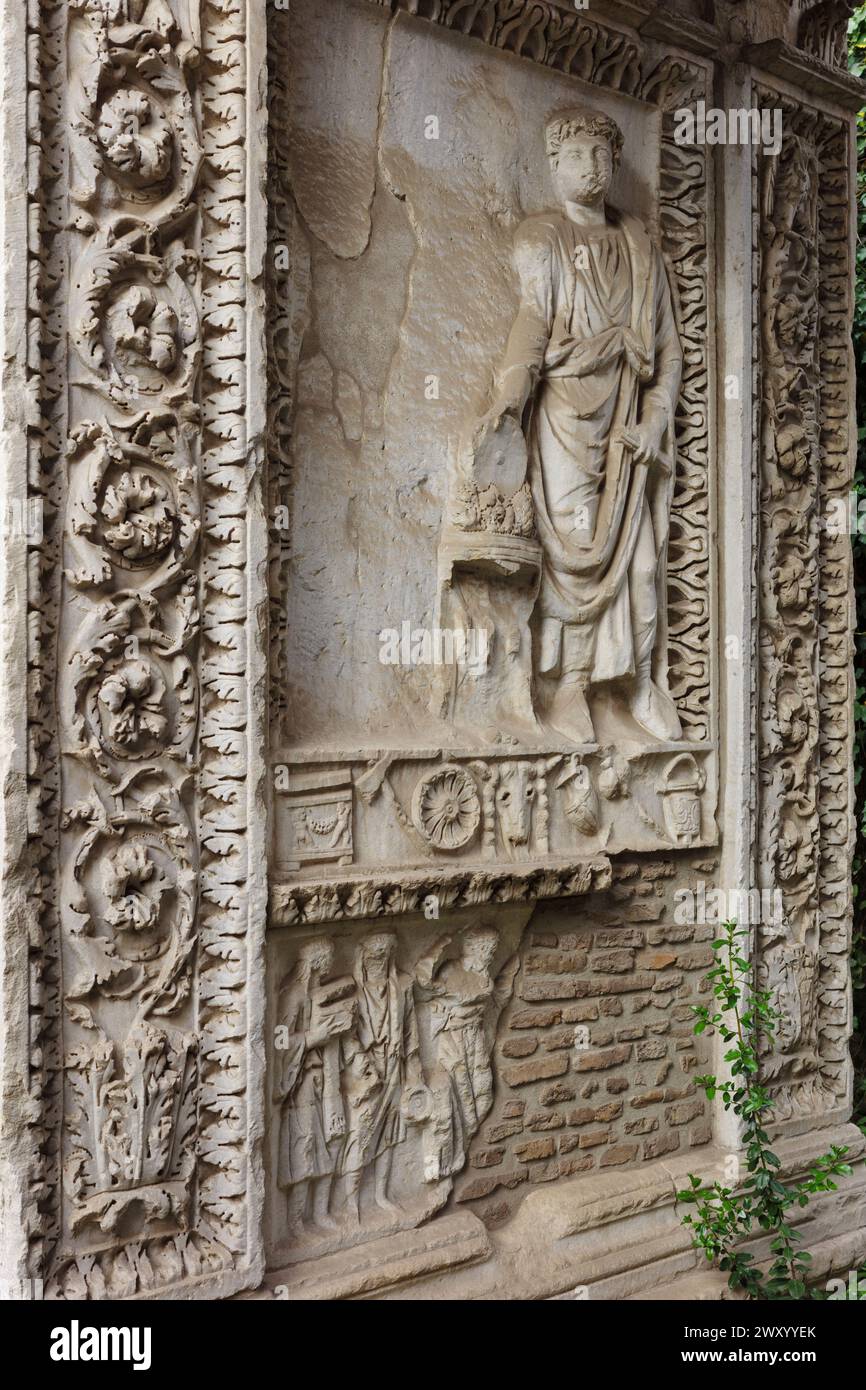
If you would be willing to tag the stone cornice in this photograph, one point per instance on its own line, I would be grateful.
(385, 895)
(783, 60)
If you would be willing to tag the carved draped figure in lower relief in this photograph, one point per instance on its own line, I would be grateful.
(353, 1088)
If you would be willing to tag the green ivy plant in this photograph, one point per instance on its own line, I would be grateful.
(722, 1217)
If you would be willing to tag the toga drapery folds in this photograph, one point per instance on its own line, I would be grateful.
(596, 332)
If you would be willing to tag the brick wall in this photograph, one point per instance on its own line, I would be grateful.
(595, 1055)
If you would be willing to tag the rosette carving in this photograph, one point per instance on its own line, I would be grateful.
(132, 691)
(135, 143)
(133, 505)
(131, 892)
(446, 808)
(135, 325)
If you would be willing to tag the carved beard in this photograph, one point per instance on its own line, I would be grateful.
(591, 190)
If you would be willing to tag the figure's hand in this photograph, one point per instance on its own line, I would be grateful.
(332, 1027)
(646, 441)
(492, 419)
(512, 390)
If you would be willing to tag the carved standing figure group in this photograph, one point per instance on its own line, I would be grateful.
(350, 1080)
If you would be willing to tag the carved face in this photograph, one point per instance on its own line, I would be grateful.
(479, 950)
(378, 949)
(319, 956)
(582, 169)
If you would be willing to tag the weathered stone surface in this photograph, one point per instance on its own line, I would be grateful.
(391, 448)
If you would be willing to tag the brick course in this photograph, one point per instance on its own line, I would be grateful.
(572, 1078)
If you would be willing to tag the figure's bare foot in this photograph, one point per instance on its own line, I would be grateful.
(654, 711)
(325, 1222)
(569, 714)
(387, 1206)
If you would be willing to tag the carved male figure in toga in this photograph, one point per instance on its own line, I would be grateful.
(591, 373)
(465, 1001)
(381, 1059)
(307, 1086)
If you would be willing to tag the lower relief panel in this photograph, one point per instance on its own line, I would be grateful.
(444, 1066)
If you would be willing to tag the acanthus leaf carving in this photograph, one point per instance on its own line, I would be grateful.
(151, 1023)
(131, 688)
(135, 325)
(804, 614)
(133, 506)
(132, 893)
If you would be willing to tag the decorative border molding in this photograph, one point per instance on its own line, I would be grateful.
(683, 217)
(561, 39)
(155, 771)
(805, 440)
(805, 70)
(380, 895)
(45, 379)
(281, 361)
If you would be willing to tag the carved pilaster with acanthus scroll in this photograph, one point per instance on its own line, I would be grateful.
(806, 613)
(143, 946)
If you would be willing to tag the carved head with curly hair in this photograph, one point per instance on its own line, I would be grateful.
(584, 149)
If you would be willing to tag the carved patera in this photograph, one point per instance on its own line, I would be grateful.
(804, 642)
(446, 807)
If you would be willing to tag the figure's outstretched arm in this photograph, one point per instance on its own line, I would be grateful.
(520, 366)
(504, 984)
(427, 966)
